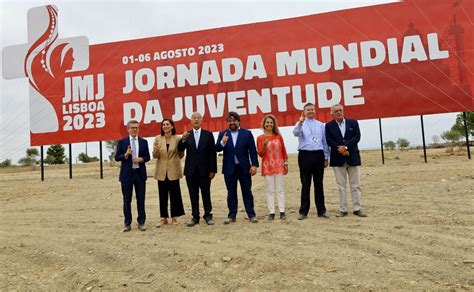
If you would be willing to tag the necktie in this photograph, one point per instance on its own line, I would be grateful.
(134, 152)
(196, 137)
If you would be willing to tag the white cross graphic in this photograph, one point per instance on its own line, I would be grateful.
(42, 40)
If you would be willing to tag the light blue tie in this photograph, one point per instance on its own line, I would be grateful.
(134, 152)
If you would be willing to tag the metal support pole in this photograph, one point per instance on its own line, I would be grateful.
(381, 140)
(466, 133)
(423, 136)
(101, 162)
(42, 163)
(70, 161)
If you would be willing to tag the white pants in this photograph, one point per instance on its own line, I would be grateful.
(275, 185)
(341, 173)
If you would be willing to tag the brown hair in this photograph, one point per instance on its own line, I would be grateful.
(275, 127)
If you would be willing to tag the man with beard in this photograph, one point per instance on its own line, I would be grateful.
(240, 162)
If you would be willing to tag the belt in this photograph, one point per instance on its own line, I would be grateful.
(310, 151)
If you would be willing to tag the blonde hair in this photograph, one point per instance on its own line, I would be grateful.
(275, 127)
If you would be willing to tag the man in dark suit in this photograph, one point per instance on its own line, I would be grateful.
(133, 152)
(238, 145)
(200, 167)
(342, 136)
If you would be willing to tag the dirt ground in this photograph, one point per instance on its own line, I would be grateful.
(64, 234)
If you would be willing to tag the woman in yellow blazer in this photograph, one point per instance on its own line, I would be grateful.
(168, 172)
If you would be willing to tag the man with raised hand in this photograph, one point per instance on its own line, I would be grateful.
(200, 167)
(239, 164)
(313, 155)
(133, 152)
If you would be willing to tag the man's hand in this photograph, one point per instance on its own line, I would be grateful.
(346, 153)
(301, 120)
(225, 138)
(326, 163)
(341, 149)
(212, 175)
(137, 160)
(185, 135)
(129, 152)
(253, 170)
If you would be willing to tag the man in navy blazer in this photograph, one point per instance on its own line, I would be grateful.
(199, 168)
(133, 152)
(240, 162)
(342, 136)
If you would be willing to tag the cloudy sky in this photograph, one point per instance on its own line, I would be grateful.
(109, 21)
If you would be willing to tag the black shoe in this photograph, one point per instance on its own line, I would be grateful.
(324, 215)
(229, 220)
(359, 213)
(271, 217)
(341, 214)
(301, 217)
(255, 220)
(282, 216)
(210, 222)
(192, 222)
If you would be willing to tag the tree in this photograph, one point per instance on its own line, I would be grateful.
(403, 143)
(84, 158)
(451, 135)
(55, 154)
(459, 125)
(389, 145)
(30, 158)
(6, 163)
(111, 146)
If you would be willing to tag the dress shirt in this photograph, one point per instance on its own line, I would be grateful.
(311, 136)
(197, 135)
(342, 127)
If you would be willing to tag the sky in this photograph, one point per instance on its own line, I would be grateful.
(109, 21)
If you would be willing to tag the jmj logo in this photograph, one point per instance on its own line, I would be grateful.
(46, 60)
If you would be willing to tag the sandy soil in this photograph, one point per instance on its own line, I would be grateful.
(64, 234)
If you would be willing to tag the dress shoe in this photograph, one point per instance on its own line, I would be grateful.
(255, 220)
(360, 213)
(174, 221)
(341, 214)
(163, 221)
(271, 217)
(141, 227)
(192, 222)
(229, 220)
(301, 216)
(282, 215)
(324, 215)
(210, 222)
(127, 228)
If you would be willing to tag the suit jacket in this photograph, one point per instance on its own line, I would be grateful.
(169, 161)
(243, 150)
(201, 159)
(126, 165)
(334, 139)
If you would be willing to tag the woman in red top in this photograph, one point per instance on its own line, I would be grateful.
(271, 149)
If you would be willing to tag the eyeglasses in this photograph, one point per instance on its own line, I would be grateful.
(337, 111)
(134, 128)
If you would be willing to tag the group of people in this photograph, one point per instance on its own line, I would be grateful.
(318, 144)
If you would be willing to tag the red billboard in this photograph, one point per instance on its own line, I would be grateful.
(390, 60)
